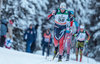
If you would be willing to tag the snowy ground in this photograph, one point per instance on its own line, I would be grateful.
(15, 57)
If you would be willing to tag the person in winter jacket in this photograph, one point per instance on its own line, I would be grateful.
(29, 37)
(3, 31)
(33, 46)
(46, 42)
(9, 35)
(81, 38)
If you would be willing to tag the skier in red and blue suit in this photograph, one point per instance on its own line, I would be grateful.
(69, 32)
(61, 16)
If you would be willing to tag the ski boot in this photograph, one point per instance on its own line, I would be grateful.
(67, 59)
(76, 57)
(80, 59)
(60, 58)
(55, 52)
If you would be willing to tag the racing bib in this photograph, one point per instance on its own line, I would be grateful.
(46, 39)
(81, 36)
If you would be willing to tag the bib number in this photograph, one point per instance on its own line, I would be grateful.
(81, 37)
(46, 39)
(61, 18)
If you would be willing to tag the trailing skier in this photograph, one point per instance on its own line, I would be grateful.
(69, 31)
(46, 42)
(81, 38)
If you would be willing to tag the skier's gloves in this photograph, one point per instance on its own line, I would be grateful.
(75, 35)
(50, 45)
(86, 41)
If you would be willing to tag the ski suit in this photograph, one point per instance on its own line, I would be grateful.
(60, 24)
(46, 43)
(68, 34)
(80, 43)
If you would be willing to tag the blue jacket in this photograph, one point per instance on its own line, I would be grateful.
(30, 35)
(3, 27)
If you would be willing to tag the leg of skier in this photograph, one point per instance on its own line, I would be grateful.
(81, 54)
(48, 50)
(77, 49)
(43, 51)
(68, 46)
(61, 48)
(76, 54)
(81, 49)
(56, 46)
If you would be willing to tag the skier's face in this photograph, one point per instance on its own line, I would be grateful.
(30, 27)
(62, 10)
(81, 30)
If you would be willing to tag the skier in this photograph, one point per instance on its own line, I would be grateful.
(61, 16)
(9, 36)
(46, 42)
(29, 37)
(69, 30)
(80, 41)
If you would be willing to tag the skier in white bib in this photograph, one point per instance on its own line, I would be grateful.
(81, 38)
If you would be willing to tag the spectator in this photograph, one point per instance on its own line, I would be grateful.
(33, 46)
(9, 36)
(29, 37)
(46, 42)
(3, 31)
(10, 29)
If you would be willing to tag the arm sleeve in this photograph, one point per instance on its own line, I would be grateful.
(77, 26)
(49, 16)
(87, 33)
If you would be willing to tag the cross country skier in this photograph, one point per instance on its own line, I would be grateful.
(80, 41)
(46, 42)
(69, 30)
(61, 16)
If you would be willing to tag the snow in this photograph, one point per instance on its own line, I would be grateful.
(15, 57)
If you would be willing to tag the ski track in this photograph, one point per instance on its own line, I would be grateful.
(16, 57)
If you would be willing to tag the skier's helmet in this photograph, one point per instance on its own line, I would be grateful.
(82, 27)
(63, 6)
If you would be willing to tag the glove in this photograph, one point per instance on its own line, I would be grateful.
(86, 41)
(75, 35)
